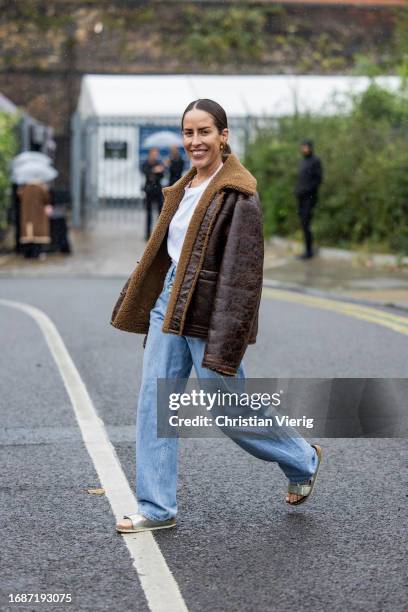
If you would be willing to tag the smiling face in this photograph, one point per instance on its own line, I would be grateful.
(202, 140)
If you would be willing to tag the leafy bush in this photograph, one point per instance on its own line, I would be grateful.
(216, 35)
(8, 149)
(364, 196)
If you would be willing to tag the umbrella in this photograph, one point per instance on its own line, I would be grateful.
(31, 157)
(163, 139)
(30, 172)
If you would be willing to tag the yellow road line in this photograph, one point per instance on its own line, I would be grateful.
(372, 315)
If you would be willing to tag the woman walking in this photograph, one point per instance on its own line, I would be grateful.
(196, 293)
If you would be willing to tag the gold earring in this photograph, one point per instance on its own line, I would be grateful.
(221, 146)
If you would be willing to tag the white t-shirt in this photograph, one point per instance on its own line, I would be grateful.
(181, 220)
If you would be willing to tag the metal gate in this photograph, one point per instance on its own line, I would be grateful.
(106, 156)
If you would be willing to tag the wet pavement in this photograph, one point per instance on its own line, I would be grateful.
(108, 248)
(236, 551)
(237, 546)
(112, 246)
(354, 277)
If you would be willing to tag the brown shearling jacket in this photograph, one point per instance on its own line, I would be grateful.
(218, 283)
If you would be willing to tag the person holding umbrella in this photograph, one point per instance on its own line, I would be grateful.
(35, 209)
(25, 159)
(35, 206)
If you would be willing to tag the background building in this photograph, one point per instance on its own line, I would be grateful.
(46, 47)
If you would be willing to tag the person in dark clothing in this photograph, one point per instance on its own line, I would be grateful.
(310, 176)
(175, 164)
(58, 222)
(153, 170)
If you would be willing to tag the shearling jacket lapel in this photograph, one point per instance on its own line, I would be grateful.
(232, 175)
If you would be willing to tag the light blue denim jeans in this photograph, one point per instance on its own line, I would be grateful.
(170, 356)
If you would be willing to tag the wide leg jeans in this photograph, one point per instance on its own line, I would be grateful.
(170, 356)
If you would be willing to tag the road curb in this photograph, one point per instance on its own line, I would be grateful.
(333, 254)
(331, 296)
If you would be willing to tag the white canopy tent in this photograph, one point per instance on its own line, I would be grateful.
(117, 116)
(241, 96)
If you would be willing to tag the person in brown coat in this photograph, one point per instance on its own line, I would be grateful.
(195, 295)
(34, 220)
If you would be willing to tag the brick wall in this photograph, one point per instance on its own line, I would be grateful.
(46, 47)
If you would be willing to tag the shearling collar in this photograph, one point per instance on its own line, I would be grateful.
(232, 175)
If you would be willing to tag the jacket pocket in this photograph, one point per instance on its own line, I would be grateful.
(209, 275)
(200, 307)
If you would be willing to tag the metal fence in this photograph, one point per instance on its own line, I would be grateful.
(106, 155)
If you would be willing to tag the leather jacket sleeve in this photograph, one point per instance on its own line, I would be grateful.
(239, 287)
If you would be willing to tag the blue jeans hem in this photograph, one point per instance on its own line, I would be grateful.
(154, 518)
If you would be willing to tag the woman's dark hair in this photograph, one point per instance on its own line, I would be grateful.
(217, 112)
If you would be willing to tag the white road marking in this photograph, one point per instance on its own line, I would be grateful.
(158, 583)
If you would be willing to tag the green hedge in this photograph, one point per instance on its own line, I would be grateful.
(364, 196)
(8, 149)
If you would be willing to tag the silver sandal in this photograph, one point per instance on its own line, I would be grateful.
(142, 523)
(305, 489)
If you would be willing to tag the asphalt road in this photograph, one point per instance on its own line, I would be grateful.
(237, 545)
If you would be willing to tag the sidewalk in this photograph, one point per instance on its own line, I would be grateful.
(113, 246)
(342, 274)
(110, 248)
